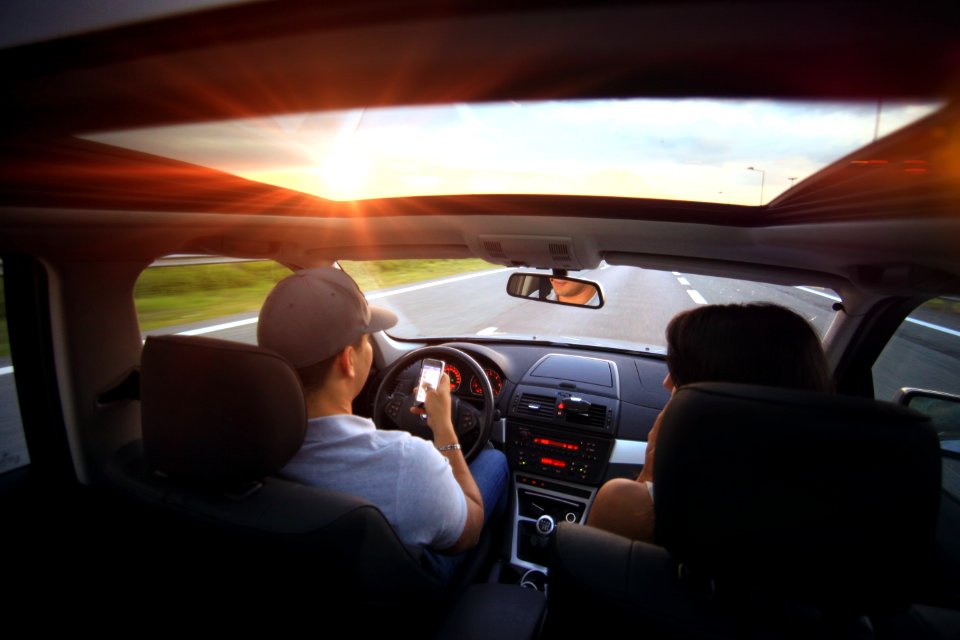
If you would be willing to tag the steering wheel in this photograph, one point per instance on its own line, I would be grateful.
(393, 404)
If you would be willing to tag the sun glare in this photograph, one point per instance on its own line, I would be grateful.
(726, 151)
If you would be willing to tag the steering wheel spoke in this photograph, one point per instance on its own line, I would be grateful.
(394, 405)
(468, 418)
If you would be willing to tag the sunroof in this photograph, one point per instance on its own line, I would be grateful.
(725, 151)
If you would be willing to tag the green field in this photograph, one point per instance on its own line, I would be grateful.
(174, 295)
(184, 294)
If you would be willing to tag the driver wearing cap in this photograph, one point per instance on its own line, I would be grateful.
(320, 321)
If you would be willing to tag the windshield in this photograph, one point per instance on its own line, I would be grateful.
(743, 152)
(471, 302)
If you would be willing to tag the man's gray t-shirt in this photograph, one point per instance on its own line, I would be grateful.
(404, 476)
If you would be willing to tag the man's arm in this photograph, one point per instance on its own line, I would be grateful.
(437, 405)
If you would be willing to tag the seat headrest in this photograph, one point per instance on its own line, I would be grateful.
(218, 413)
(825, 498)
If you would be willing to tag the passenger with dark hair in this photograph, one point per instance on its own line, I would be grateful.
(755, 343)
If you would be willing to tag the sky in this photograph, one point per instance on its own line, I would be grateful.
(691, 149)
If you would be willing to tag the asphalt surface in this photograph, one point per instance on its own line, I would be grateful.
(638, 305)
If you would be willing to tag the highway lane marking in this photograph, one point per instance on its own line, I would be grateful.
(693, 293)
(218, 327)
(928, 325)
(371, 296)
(822, 294)
(436, 283)
(935, 327)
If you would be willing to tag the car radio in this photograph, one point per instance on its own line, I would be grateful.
(567, 456)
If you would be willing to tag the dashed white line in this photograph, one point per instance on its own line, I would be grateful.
(694, 295)
(676, 273)
(684, 282)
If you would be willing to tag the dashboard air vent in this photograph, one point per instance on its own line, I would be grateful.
(597, 417)
(532, 404)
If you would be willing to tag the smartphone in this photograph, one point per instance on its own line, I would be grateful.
(430, 372)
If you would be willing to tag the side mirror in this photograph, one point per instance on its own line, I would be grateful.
(943, 409)
(546, 288)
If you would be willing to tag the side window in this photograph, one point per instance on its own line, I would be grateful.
(205, 295)
(924, 353)
(13, 444)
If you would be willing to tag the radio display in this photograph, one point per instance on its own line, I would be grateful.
(557, 444)
(554, 463)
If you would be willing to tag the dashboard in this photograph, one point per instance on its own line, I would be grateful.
(567, 418)
(465, 384)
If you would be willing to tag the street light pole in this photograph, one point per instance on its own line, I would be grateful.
(763, 177)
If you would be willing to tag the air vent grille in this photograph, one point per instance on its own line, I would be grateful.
(597, 417)
(532, 404)
(495, 249)
(560, 251)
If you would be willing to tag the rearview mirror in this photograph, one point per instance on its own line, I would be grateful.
(557, 290)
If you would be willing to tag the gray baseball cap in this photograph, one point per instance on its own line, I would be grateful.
(313, 314)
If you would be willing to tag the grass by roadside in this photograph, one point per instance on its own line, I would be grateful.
(381, 274)
(171, 295)
(950, 305)
(191, 293)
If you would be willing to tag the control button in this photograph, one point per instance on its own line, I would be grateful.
(570, 517)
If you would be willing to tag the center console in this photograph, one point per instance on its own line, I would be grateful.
(560, 431)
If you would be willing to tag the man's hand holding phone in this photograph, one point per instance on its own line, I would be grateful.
(430, 371)
(436, 403)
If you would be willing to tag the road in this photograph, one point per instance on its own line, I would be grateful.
(639, 303)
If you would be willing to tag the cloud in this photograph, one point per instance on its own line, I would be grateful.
(696, 149)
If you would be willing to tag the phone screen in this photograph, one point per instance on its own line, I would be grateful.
(430, 373)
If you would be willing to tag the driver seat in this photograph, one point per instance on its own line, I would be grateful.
(219, 420)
